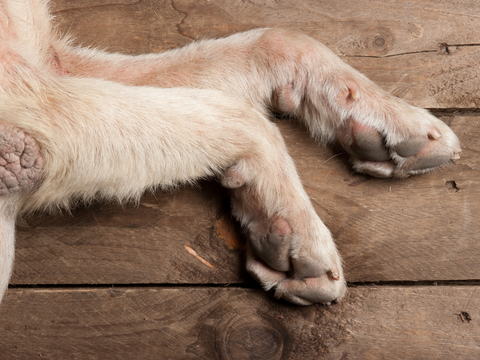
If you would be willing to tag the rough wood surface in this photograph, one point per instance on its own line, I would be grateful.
(151, 243)
(422, 228)
(227, 324)
(426, 52)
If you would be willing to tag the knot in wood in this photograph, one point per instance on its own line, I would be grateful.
(249, 337)
(379, 41)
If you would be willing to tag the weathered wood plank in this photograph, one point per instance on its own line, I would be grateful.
(218, 323)
(422, 228)
(380, 29)
(397, 44)
(414, 323)
(145, 244)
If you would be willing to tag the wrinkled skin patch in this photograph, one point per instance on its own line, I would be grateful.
(21, 162)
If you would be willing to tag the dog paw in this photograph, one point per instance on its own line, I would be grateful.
(401, 149)
(385, 136)
(289, 248)
(298, 269)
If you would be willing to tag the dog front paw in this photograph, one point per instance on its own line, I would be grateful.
(297, 259)
(401, 149)
(289, 248)
(385, 136)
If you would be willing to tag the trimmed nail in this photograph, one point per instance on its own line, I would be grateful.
(334, 275)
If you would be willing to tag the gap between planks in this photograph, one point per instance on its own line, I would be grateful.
(249, 285)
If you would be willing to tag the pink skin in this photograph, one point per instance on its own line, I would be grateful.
(21, 162)
(55, 64)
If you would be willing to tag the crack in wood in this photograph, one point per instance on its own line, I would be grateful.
(388, 56)
(445, 45)
(246, 285)
(464, 45)
(181, 22)
(455, 111)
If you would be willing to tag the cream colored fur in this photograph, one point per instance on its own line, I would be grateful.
(111, 126)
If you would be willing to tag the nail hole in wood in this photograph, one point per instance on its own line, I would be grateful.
(464, 316)
(443, 49)
(452, 186)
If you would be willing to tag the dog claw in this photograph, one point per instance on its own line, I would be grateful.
(334, 275)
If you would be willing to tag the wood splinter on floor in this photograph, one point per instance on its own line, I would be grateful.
(194, 253)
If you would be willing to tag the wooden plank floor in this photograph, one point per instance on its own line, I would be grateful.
(223, 323)
(122, 283)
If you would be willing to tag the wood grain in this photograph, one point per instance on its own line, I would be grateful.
(413, 323)
(105, 244)
(421, 228)
(219, 323)
(424, 52)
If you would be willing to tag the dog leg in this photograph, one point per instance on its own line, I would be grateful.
(85, 141)
(286, 71)
(293, 74)
(289, 247)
